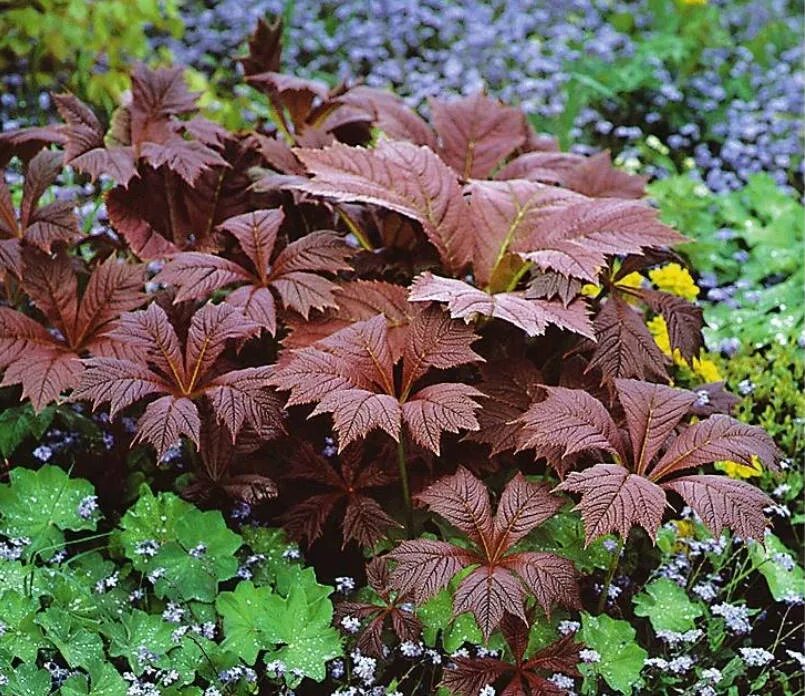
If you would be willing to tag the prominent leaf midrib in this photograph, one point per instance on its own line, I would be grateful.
(379, 367)
(640, 468)
(197, 367)
(522, 211)
(10, 220)
(615, 496)
(668, 468)
(84, 333)
(67, 326)
(174, 371)
(503, 544)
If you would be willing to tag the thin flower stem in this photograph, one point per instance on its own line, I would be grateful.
(355, 229)
(613, 566)
(406, 491)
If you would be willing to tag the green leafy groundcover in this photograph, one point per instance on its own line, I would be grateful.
(160, 601)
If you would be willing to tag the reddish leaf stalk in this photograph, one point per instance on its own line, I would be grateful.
(406, 489)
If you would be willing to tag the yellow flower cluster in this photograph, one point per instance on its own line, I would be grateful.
(676, 280)
(704, 368)
(741, 471)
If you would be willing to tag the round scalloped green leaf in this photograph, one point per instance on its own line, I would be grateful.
(199, 656)
(139, 630)
(667, 606)
(621, 658)
(301, 625)
(104, 680)
(195, 549)
(245, 620)
(22, 637)
(78, 646)
(42, 504)
(294, 575)
(27, 680)
(784, 576)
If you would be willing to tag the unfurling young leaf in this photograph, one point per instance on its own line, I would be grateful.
(621, 658)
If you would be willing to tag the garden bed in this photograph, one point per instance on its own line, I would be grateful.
(313, 387)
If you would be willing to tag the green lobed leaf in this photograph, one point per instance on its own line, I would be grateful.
(195, 550)
(784, 576)
(294, 629)
(245, 616)
(621, 658)
(103, 680)
(22, 637)
(667, 606)
(27, 680)
(137, 632)
(41, 505)
(300, 624)
(78, 645)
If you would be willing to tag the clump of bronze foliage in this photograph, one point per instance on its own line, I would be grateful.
(414, 288)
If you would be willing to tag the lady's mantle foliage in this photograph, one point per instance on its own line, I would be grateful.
(165, 609)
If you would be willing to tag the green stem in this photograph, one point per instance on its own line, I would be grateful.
(613, 566)
(81, 540)
(353, 227)
(406, 491)
(525, 268)
(279, 120)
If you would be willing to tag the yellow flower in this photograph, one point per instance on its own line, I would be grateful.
(659, 330)
(632, 280)
(694, 2)
(706, 369)
(684, 528)
(740, 471)
(676, 280)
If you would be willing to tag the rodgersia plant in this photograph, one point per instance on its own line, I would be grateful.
(366, 301)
